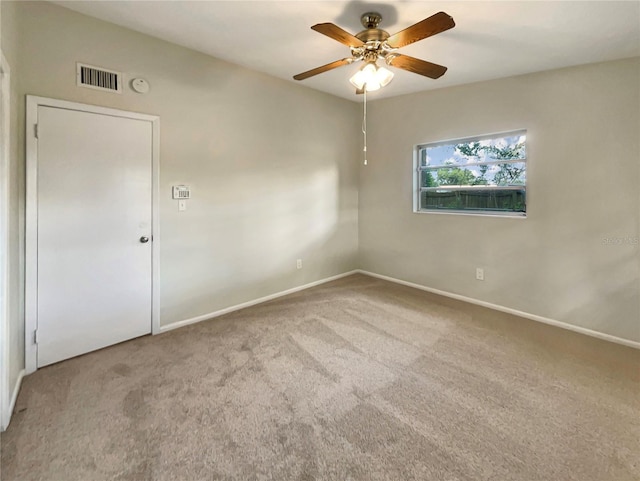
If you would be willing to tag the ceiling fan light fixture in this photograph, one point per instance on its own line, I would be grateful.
(374, 43)
(358, 80)
(371, 77)
(384, 76)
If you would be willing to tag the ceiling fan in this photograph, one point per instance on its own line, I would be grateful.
(374, 43)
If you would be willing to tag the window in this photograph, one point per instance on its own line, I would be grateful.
(479, 175)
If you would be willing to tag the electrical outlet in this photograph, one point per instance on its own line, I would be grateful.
(480, 274)
(299, 264)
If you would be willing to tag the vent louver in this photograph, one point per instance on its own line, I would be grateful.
(98, 78)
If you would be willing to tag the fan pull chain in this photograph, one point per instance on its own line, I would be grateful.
(364, 126)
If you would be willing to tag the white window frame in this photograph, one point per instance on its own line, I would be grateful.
(418, 169)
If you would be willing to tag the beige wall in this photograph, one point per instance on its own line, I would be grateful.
(583, 188)
(9, 43)
(270, 163)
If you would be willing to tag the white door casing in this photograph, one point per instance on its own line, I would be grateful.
(92, 185)
(5, 389)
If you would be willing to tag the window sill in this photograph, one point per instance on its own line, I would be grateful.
(508, 215)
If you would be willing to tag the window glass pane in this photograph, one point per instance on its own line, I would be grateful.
(486, 199)
(423, 157)
(428, 179)
(486, 150)
(513, 173)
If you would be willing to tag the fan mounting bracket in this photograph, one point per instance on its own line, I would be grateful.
(370, 20)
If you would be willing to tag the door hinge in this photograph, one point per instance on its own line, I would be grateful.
(35, 336)
(35, 130)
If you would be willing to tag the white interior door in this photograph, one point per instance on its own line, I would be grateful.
(94, 212)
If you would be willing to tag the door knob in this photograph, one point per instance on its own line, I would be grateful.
(144, 239)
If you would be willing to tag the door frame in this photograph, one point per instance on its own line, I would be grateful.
(5, 137)
(31, 223)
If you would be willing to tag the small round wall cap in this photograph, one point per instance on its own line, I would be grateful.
(140, 85)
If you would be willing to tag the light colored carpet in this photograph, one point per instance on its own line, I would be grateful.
(358, 379)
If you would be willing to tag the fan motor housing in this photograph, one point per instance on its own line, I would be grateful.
(373, 34)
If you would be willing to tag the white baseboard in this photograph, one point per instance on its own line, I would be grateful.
(508, 310)
(14, 398)
(226, 310)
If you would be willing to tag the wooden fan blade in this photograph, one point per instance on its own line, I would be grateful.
(359, 91)
(336, 33)
(415, 65)
(429, 26)
(324, 68)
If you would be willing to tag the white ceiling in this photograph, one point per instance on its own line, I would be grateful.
(490, 40)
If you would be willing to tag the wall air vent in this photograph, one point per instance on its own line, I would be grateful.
(98, 78)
